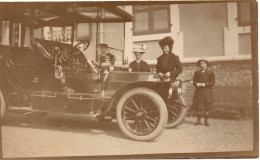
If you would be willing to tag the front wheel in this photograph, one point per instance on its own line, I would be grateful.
(141, 114)
(177, 111)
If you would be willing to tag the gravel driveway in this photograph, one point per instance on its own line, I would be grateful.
(66, 135)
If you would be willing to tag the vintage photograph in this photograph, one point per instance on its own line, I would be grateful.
(129, 79)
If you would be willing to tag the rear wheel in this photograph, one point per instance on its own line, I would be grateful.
(177, 111)
(3, 104)
(141, 114)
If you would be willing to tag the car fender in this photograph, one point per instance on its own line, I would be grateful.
(115, 98)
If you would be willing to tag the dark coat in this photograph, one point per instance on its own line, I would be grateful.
(203, 94)
(169, 63)
(142, 66)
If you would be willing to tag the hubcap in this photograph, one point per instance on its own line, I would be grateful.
(140, 115)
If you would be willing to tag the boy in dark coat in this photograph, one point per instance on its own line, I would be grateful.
(203, 80)
(138, 65)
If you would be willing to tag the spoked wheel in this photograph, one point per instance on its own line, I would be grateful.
(3, 104)
(177, 111)
(141, 114)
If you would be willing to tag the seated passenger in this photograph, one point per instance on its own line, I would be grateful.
(138, 65)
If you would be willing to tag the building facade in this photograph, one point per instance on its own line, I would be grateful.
(219, 31)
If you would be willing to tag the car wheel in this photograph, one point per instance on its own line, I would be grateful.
(141, 114)
(177, 111)
(3, 104)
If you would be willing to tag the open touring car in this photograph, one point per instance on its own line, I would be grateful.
(51, 76)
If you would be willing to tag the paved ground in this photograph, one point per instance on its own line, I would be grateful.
(66, 135)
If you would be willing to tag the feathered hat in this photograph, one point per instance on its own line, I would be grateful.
(140, 49)
(167, 41)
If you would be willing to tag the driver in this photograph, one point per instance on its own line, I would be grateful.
(107, 59)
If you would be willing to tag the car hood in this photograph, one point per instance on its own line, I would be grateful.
(130, 77)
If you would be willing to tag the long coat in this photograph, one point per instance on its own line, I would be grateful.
(169, 63)
(142, 66)
(203, 94)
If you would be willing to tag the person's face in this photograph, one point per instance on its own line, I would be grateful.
(138, 56)
(165, 49)
(203, 65)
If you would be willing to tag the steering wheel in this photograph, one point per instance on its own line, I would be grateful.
(83, 48)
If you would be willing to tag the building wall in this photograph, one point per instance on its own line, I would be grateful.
(203, 29)
(92, 48)
(244, 44)
(153, 49)
(211, 30)
(113, 35)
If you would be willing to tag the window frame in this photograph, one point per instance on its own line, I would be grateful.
(14, 33)
(239, 15)
(151, 9)
(1, 30)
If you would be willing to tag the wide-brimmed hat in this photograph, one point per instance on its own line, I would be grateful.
(203, 59)
(140, 48)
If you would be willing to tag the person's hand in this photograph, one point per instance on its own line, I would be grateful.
(161, 75)
(200, 84)
(167, 75)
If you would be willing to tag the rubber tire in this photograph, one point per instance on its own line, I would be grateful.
(162, 108)
(182, 115)
(3, 104)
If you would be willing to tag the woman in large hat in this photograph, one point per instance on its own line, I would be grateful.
(168, 64)
(203, 80)
(138, 65)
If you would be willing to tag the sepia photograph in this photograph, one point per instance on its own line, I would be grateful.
(129, 79)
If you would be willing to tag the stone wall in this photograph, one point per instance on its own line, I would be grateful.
(233, 87)
(237, 73)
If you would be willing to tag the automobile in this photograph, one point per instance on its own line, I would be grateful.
(56, 77)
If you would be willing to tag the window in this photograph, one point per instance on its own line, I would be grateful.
(243, 9)
(63, 34)
(60, 34)
(83, 31)
(14, 34)
(151, 19)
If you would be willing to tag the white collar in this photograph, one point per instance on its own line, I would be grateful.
(138, 61)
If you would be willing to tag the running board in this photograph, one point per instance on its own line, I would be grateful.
(20, 109)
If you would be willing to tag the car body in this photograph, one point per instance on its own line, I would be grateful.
(57, 77)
